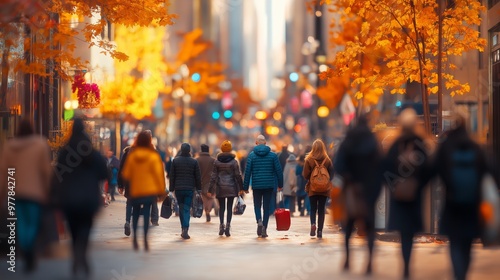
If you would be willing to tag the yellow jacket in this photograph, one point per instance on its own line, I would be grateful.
(144, 170)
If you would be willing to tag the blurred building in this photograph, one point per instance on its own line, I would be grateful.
(491, 61)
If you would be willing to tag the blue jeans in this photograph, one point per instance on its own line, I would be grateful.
(137, 203)
(28, 223)
(287, 201)
(263, 197)
(184, 198)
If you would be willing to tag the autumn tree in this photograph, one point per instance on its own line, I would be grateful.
(48, 39)
(404, 33)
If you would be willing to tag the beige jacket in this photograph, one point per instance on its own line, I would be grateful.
(30, 156)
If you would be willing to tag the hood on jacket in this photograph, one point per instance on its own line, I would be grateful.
(225, 157)
(21, 143)
(291, 158)
(142, 155)
(185, 149)
(261, 150)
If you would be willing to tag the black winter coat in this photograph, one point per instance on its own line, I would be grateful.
(459, 219)
(185, 174)
(122, 183)
(406, 216)
(226, 180)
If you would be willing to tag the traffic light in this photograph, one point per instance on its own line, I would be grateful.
(215, 115)
(228, 114)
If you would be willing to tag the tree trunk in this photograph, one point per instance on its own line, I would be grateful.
(5, 79)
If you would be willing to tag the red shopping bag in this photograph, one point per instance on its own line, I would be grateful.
(283, 217)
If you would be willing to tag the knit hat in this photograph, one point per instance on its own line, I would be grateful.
(226, 146)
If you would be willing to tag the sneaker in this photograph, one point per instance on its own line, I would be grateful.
(320, 234)
(155, 224)
(127, 228)
(313, 230)
(259, 228)
(221, 229)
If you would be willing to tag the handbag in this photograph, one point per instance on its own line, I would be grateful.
(197, 205)
(166, 207)
(240, 206)
(489, 210)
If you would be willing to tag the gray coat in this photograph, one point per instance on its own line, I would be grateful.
(226, 178)
(289, 177)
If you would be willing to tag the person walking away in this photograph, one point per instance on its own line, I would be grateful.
(206, 163)
(302, 197)
(28, 155)
(290, 183)
(144, 171)
(358, 163)
(316, 163)
(264, 170)
(123, 187)
(461, 165)
(405, 170)
(185, 178)
(225, 183)
(282, 157)
(113, 166)
(79, 171)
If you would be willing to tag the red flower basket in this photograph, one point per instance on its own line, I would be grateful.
(88, 95)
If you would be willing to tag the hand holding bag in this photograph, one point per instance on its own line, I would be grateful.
(166, 207)
(240, 206)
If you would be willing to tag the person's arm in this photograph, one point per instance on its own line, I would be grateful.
(172, 177)
(248, 173)
(306, 172)
(237, 176)
(279, 172)
(213, 180)
(100, 166)
(121, 181)
(159, 175)
(197, 176)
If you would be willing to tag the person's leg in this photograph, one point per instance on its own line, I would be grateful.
(300, 205)
(147, 205)
(321, 214)
(154, 211)
(348, 231)
(312, 214)
(181, 196)
(188, 200)
(128, 215)
(286, 202)
(222, 209)
(84, 229)
(230, 202)
(466, 249)
(136, 211)
(272, 203)
(267, 199)
(28, 223)
(207, 206)
(406, 248)
(370, 235)
(257, 206)
(308, 204)
(111, 191)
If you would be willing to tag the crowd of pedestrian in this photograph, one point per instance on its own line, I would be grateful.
(308, 181)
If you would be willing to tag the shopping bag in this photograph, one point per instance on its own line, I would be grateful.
(166, 207)
(490, 212)
(197, 205)
(240, 206)
(282, 215)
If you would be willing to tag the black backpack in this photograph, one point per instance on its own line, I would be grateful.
(464, 176)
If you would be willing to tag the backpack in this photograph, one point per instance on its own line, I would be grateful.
(405, 188)
(320, 178)
(464, 177)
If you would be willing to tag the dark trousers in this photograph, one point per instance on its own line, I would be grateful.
(262, 199)
(222, 208)
(154, 211)
(406, 248)
(370, 232)
(303, 204)
(460, 249)
(80, 224)
(137, 204)
(185, 199)
(128, 210)
(318, 203)
(111, 191)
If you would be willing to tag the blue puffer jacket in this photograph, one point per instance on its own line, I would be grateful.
(263, 168)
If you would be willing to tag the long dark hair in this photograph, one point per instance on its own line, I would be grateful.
(144, 140)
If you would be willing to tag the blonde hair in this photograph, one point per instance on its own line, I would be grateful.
(318, 150)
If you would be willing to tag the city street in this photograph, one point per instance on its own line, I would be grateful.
(291, 255)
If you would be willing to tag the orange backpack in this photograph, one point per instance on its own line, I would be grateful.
(320, 178)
